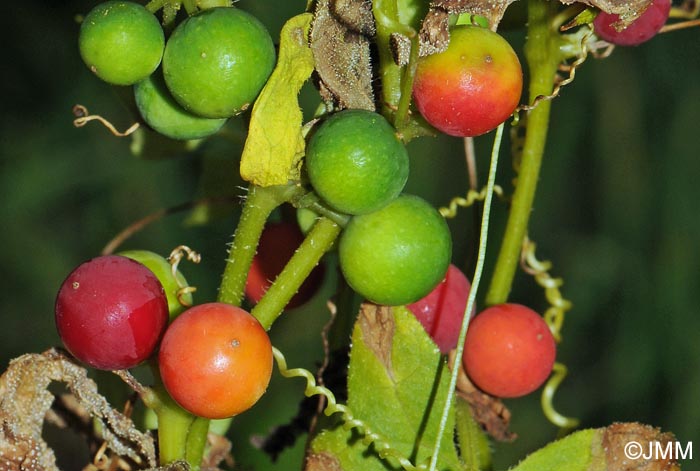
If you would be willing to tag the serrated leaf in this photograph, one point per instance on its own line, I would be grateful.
(275, 145)
(603, 449)
(397, 385)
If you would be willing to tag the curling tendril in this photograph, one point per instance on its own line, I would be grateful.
(383, 448)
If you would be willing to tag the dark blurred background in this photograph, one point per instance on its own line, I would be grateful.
(617, 212)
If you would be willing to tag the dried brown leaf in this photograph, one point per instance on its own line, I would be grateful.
(617, 436)
(25, 401)
(377, 325)
(488, 411)
(434, 34)
(342, 55)
(355, 14)
(219, 452)
(322, 462)
(493, 10)
(628, 10)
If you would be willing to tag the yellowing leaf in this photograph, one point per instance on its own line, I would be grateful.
(275, 145)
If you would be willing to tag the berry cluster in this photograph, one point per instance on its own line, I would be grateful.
(214, 359)
(212, 66)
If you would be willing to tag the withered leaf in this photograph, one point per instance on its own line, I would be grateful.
(219, 451)
(25, 401)
(628, 10)
(275, 144)
(493, 10)
(355, 14)
(488, 411)
(342, 57)
(322, 462)
(617, 436)
(377, 326)
(434, 35)
(602, 449)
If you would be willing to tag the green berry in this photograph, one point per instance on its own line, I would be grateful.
(217, 61)
(356, 163)
(121, 42)
(162, 269)
(161, 112)
(398, 254)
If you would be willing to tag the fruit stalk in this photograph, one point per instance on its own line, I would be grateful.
(258, 205)
(181, 435)
(543, 56)
(386, 15)
(307, 256)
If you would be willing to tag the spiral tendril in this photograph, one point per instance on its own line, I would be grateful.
(554, 317)
(559, 372)
(369, 437)
(562, 81)
(451, 209)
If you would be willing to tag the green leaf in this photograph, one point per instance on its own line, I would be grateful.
(474, 446)
(275, 145)
(397, 386)
(573, 453)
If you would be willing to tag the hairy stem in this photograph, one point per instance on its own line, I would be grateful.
(543, 56)
(260, 202)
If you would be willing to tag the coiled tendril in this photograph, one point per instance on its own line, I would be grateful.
(554, 317)
(451, 209)
(369, 437)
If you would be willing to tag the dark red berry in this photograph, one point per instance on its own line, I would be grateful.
(278, 243)
(441, 312)
(640, 30)
(111, 312)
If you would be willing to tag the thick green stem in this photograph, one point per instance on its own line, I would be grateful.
(182, 436)
(260, 202)
(543, 56)
(307, 256)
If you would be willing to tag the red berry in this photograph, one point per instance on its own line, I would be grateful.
(215, 360)
(509, 350)
(441, 312)
(111, 312)
(640, 30)
(472, 87)
(278, 243)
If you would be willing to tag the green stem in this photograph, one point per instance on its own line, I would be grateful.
(190, 6)
(386, 15)
(181, 435)
(307, 256)
(154, 5)
(407, 85)
(260, 202)
(205, 4)
(542, 53)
